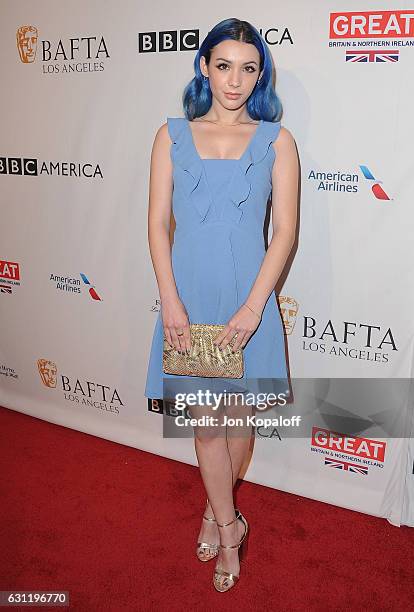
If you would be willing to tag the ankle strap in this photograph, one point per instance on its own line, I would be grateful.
(207, 518)
(231, 522)
(243, 520)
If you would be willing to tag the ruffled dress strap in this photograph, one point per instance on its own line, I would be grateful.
(262, 144)
(259, 150)
(176, 128)
(188, 167)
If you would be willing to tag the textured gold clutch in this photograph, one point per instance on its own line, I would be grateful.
(204, 358)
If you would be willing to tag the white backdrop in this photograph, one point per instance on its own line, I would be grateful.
(84, 91)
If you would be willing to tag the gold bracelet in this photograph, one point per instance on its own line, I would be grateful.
(257, 315)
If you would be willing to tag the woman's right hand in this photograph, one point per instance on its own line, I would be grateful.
(175, 320)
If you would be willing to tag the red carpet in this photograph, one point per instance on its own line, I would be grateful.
(116, 527)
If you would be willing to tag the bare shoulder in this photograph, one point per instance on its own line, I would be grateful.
(162, 135)
(285, 148)
(162, 141)
(285, 140)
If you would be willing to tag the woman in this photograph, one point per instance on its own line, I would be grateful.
(217, 168)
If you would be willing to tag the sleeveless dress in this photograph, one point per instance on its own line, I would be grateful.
(219, 207)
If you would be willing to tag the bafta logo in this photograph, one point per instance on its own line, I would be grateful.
(27, 43)
(48, 371)
(289, 309)
(157, 306)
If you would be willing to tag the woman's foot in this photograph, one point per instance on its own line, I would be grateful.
(228, 559)
(209, 537)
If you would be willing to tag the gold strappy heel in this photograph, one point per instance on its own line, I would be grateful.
(203, 550)
(231, 579)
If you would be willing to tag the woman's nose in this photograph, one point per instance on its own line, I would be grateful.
(234, 79)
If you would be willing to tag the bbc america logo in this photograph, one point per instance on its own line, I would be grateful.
(168, 40)
(34, 167)
(17, 165)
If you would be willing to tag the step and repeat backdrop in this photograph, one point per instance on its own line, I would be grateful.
(84, 90)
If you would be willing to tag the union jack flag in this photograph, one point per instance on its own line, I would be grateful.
(5, 288)
(368, 55)
(345, 465)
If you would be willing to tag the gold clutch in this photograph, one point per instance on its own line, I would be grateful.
(204, 358)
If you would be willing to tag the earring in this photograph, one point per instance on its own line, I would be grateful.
(205, 78)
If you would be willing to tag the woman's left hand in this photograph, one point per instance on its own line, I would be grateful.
(243, 323)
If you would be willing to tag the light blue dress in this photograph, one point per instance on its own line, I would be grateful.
(219, 207)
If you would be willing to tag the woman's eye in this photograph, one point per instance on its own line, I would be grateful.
(250, 69)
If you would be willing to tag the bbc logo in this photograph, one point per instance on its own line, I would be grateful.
(170, 40)
(17, 165)
(166, 407)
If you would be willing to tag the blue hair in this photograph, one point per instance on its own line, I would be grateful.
(263, 102)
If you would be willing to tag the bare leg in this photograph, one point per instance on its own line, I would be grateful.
(238, 443)
(238, 446)
(221, 451)
(216, 471)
